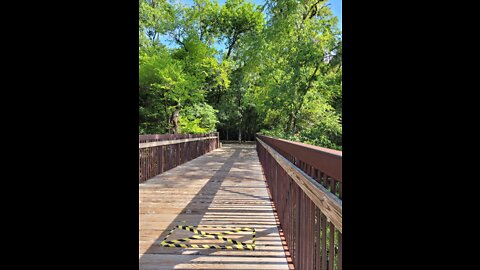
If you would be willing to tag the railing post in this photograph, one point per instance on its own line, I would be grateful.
(217, 134)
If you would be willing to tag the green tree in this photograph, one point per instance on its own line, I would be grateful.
(280, 69)
(301, 72)
(199, 118)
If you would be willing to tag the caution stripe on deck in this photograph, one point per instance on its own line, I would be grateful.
(201, 234)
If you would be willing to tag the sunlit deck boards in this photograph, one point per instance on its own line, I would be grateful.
(225, 187)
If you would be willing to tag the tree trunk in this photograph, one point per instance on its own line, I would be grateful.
(174, 121)
(294, 125)
(227, 132)
(239, 134)
(290, 123)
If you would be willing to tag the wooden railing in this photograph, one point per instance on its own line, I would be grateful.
(305, 183)
(161, 152)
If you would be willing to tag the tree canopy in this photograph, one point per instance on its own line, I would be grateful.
(241, 68)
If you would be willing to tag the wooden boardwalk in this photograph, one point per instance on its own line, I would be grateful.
(225, 187)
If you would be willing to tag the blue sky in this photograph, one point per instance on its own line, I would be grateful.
(336, 6)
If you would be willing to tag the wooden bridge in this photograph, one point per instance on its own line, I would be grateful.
(275, 204)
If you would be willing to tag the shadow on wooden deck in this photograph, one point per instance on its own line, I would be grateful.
(225, 187)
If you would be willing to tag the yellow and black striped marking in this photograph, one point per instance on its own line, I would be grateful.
(200, 234)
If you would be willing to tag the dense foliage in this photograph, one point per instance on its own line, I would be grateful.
(241, 68)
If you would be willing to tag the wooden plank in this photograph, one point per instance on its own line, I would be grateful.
(170, 142)
(209, 266)
(168, 259)
(243, 253)
(325, 200)
(175, 261)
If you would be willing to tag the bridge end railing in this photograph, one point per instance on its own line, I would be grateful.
(158, 153)
(305, 183)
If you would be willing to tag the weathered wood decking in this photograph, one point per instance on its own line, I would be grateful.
(225, 187)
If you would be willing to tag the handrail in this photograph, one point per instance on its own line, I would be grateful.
(166, 137)
(159, 143)
(327, 160)
(326, 201)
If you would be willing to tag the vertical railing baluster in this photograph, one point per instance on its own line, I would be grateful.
(324, 241)
(318, 247)
(331, 248)
(339, 256)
